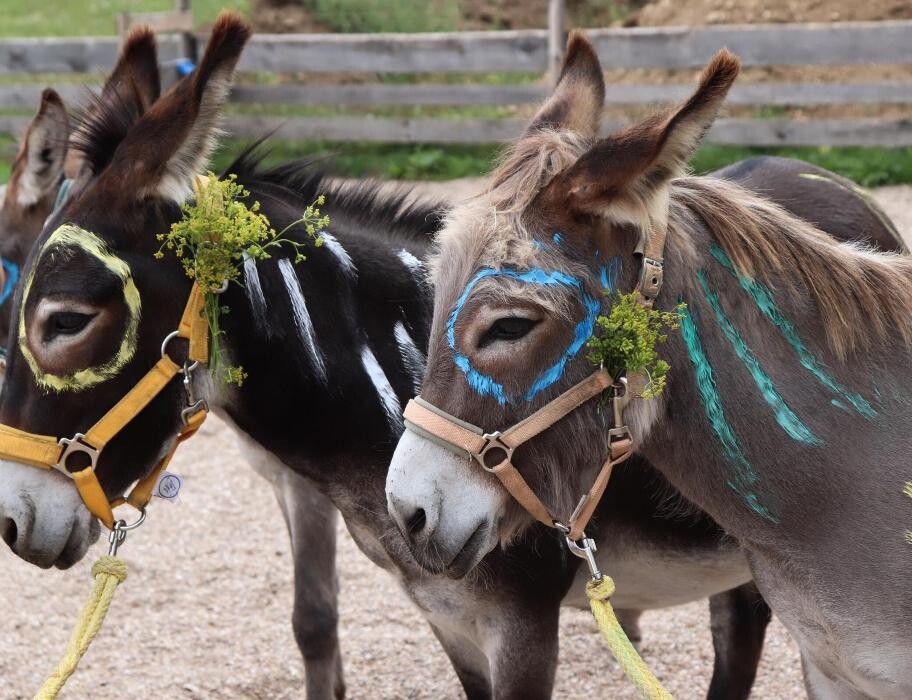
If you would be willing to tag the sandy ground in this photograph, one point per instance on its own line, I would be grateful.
(206, 610)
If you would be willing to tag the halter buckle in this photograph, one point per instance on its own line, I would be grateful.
(72, 446)
(652, 274)
(619, 402)
(494, 442)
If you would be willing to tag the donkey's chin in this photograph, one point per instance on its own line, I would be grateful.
(455, 561)
(42, 517)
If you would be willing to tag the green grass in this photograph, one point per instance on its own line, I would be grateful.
(385, 15)
(870, 167)
(91, 17)
(387, 161)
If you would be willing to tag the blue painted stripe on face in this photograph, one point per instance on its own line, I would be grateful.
(558, 238)
(488, 386)
(610, 273)
(785, 416)
(745, 475)
(763, 298)
(12, 277)
(538, 245)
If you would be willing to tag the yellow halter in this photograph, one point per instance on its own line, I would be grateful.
(46, 452)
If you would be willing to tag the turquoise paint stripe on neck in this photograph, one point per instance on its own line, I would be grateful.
(763, 298)
(745, 475)
(793, 426)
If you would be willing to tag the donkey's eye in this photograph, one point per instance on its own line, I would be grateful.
(507, 328)
(67, 323)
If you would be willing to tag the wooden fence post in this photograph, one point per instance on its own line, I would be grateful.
(188, 39)
(556, 39)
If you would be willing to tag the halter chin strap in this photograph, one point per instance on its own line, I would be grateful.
(47, 452)
(494, 451)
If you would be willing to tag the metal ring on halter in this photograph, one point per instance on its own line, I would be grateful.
(118, 534)
(164, 353)
(123, 526)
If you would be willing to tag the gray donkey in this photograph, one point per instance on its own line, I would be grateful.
(786, 412)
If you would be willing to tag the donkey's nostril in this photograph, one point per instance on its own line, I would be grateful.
(9, 531)
(416, 522)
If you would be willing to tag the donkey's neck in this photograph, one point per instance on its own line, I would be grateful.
(762, 423)
(333, 346)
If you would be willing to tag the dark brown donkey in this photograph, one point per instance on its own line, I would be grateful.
(786, 415)
(333, 347)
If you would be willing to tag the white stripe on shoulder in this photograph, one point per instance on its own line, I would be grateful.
(338, 250)
(412, 359)
(302, 318)
(388, 398)
(255, 295)
(411, 262)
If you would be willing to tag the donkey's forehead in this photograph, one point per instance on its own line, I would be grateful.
(72, 236)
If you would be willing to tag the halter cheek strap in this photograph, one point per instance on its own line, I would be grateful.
(494, 451)
(46, 452)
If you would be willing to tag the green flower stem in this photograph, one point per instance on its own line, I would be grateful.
(215, 233)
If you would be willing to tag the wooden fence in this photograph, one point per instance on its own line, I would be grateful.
(294, 56)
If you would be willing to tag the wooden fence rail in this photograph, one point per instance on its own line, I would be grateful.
(296, 55)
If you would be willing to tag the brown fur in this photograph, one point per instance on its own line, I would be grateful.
(863, 297)
(576, 104)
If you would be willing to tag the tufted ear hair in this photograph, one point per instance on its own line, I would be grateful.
(38, 168)
(132, 88)
(172, 142)
(623, 177)
(577, 100)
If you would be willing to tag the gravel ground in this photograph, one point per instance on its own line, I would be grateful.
(206, 610)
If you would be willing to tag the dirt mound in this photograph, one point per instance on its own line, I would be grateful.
(699, 12)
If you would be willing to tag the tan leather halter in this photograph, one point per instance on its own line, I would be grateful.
(494, 451)
(46, 452)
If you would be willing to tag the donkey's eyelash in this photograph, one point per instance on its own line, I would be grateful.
(508, 328)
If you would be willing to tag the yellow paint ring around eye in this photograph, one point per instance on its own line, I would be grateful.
(71, 235)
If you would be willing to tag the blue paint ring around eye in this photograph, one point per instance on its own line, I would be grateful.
(487, 385)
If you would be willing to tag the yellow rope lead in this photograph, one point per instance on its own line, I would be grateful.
(109, 572)
(636, 669)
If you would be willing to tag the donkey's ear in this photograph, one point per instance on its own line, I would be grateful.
(172, 142)
(38, 168)
(135, 77)
(576, 104)
(632, 167)
(131, 88)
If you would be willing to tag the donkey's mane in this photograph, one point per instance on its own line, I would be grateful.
(384, 211)
(863, 296)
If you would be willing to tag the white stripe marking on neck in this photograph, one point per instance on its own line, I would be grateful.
(412, 359)
(388, 398)
(255, 295)
(411, 262)
(302, 318)
(333, 246)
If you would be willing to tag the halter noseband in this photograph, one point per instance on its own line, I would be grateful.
(494, 451)
(46, 452)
